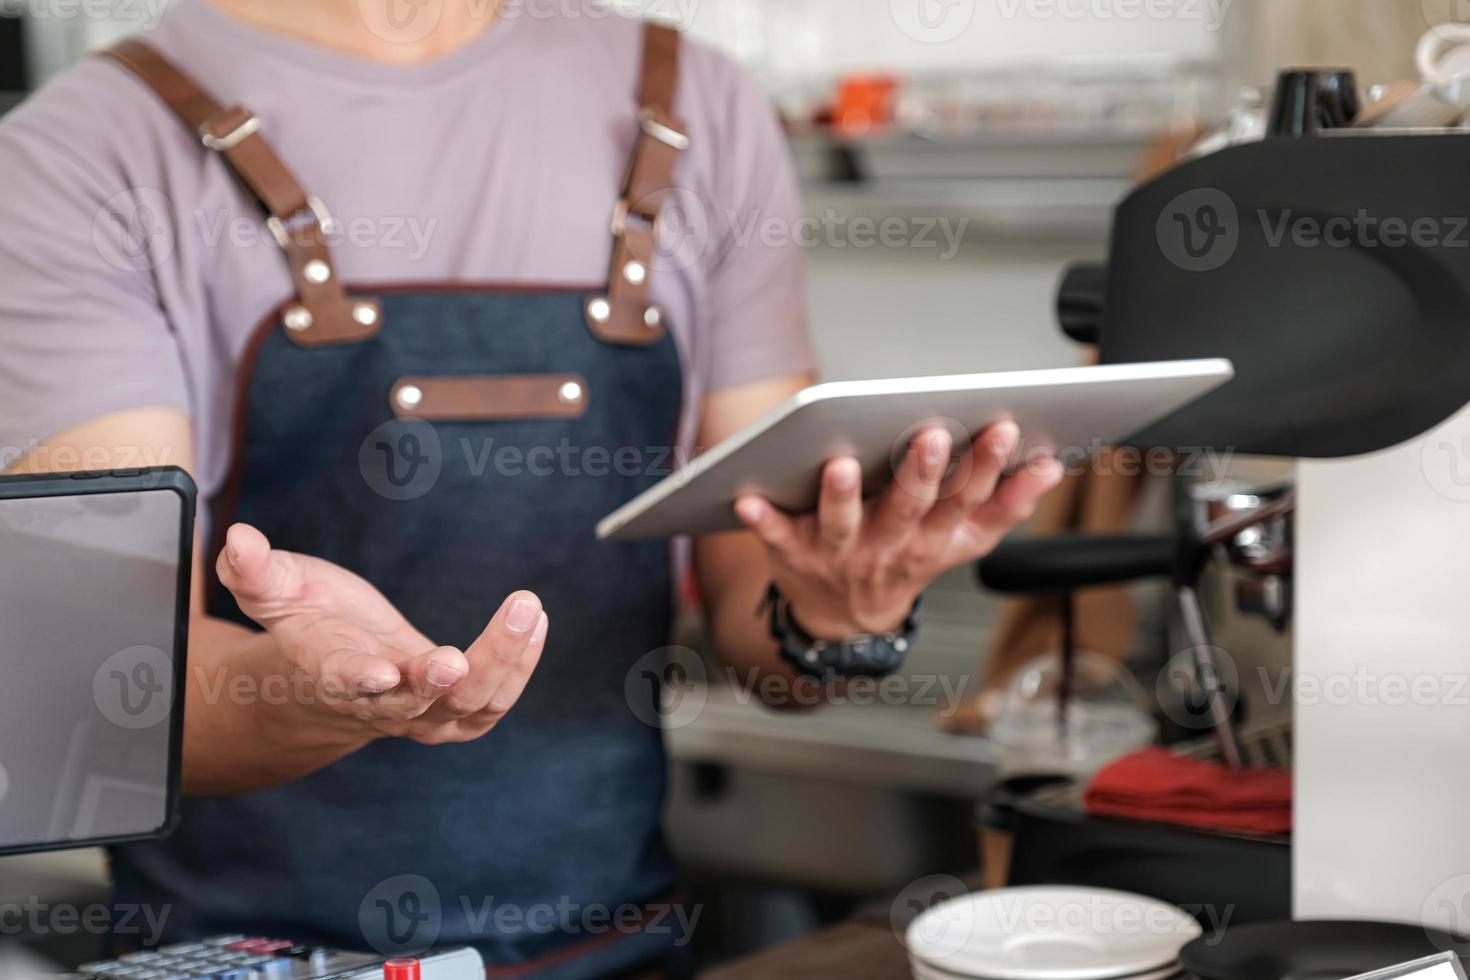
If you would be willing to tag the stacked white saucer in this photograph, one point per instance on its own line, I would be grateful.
(1045, 933)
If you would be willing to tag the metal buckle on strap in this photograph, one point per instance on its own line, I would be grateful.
(233, 138)
(664, 134)
(315, 208)
(623, 210)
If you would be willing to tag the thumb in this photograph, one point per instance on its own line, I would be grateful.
(261, 579)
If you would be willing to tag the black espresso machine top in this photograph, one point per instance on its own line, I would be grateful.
(1333, 269)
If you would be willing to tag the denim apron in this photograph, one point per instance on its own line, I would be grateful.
(452, 445)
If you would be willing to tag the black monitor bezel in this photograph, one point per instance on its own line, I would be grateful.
(163, 479)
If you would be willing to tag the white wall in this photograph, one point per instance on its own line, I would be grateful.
(794, 39)
(788, 39)
(1383, 716)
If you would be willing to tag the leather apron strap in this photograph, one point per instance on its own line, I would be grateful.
(624, 315)
(323, 314)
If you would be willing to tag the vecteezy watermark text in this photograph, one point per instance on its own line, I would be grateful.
(139, 14)
(833, 230)
(410, 21)
(71, 459)
(406, 913)
(404, 233)
(1211, 13)
(37, 918)
(1201, 230)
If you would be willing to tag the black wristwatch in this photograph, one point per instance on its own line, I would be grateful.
(866, 655)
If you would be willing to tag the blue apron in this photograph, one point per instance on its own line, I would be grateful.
(451, 446)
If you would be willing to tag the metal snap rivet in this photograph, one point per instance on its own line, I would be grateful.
(570, 393)
(410, 396)
(317, 272)
(600, 310)
(297, 319)
(366, 314)
(652, 317)
(635, 272)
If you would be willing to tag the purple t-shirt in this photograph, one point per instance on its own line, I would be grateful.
(133, 269)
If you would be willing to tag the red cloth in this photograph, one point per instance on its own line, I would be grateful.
(1158, 786)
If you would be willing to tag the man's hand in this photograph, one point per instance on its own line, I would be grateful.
(370, 673)
(857, 567)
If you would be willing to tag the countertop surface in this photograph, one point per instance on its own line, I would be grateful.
(864, 949)
(857, 950)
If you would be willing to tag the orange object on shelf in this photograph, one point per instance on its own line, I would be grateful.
(864, 103)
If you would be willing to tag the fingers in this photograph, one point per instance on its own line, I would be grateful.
(494, 656)
(972, 485)
(915, 488)
(1013, 502)
(431, 675)
(840, 509)
(774, 528)
(349, 673)
(424, 679)
(514, 684)
(261, 579)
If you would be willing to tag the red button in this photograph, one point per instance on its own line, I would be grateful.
(401, 970)
(244, 945)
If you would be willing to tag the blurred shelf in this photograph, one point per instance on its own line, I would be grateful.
(1072, 208)
(1021, 151)
(882, 746)
(1014, 181)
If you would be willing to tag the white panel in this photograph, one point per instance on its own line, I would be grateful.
(1383, 748)
(809, 38)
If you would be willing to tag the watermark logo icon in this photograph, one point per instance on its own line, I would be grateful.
(1192, 682)
(1447, 908)
(401, 459)
(134, 687)
(957, 468)
(1199, 231)
(402, 915)
(933, 21)
(133, 230)
(401, 21)
(667, 688)
(1445, 459)
(1447, 18)
(682, 231)
(942, 932)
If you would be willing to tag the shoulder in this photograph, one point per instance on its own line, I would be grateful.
(97, 117)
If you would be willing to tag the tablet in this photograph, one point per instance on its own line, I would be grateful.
(1067, 411)
(94, 596)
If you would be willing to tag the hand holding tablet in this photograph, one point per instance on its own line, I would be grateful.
(856, 567)
(864, 492)
(1066, 411)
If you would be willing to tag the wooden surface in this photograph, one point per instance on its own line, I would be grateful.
(854, 951)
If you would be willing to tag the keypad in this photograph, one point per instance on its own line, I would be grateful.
(225, 958)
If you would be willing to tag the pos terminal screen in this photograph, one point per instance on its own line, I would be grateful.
(92, 601)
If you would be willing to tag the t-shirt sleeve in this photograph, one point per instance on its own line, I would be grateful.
(82, 330)
(756, 305)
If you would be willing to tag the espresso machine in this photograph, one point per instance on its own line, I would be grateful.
(1331, 264)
